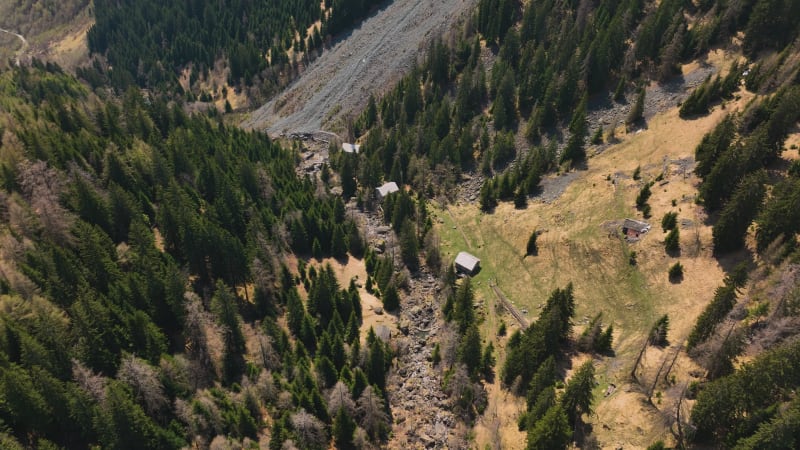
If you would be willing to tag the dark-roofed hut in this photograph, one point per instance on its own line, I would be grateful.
(634, 228)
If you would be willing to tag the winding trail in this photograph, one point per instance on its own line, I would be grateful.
(22, 49)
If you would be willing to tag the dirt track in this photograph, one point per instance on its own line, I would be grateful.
(368, 60)
(22, 49)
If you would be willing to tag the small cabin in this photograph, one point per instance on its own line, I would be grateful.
(386, 189)
(634, 228)
(350, 148)
(467, 264)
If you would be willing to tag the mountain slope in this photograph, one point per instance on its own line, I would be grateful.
(367, 61)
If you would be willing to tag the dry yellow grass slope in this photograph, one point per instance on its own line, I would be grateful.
(578, 245)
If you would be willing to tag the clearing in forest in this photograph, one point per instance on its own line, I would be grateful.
(575, 246)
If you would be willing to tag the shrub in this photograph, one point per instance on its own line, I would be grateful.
(676, 272)
(672, 241)
(669, 221)
(643, 196)
(597, 137)
(658, 334)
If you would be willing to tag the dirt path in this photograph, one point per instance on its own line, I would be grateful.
(523, 323)
(369, 60)
(22, 49)
(466, 241)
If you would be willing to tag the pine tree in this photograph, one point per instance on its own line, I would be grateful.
(409, 246)
(224, 306)
(391, 299)
(672, 241)
(463, 312)
(488, 201)
(637, 111)
(658, 333)
(532, 249)
(552, 432)
(738, 213)
(575, 150)
(338, 243)
(577, 398)
(343, 428)
(469, 351)
(520, 198)
(503, 109)
(488, 362)
(669, 221)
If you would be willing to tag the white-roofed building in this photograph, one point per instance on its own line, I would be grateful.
(350, 148)
(467, 263)
(386, 189)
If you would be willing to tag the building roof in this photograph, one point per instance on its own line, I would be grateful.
(635, 225)
(388, 188)
(350, 148)
(467, 261)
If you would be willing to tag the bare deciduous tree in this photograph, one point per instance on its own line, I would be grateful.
(361, 440)
(145, 383)
(202, 415)
(42, 187)
(339, 397)
(260, 348)
(310, 430)
(223, 443)
(264, 386)
(199, 327)
(88, 381)
(289, 445)
(372, 412)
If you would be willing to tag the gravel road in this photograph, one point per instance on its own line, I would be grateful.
(368, 60)
(22, 49)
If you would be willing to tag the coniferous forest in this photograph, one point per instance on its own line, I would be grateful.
(161, 283)
(144, 281)
(148, 43)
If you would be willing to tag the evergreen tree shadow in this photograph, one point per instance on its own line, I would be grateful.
(673, 85)
(729, 260)
(580, 164)
(637, 126)
(584, 437)
(676, 279)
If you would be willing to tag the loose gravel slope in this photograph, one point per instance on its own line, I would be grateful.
(369, 60)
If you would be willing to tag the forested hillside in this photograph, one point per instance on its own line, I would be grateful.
(31, 17)
(527, 114)
(549, 58)
(161, 276)
(144, 291)
(149, 42)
